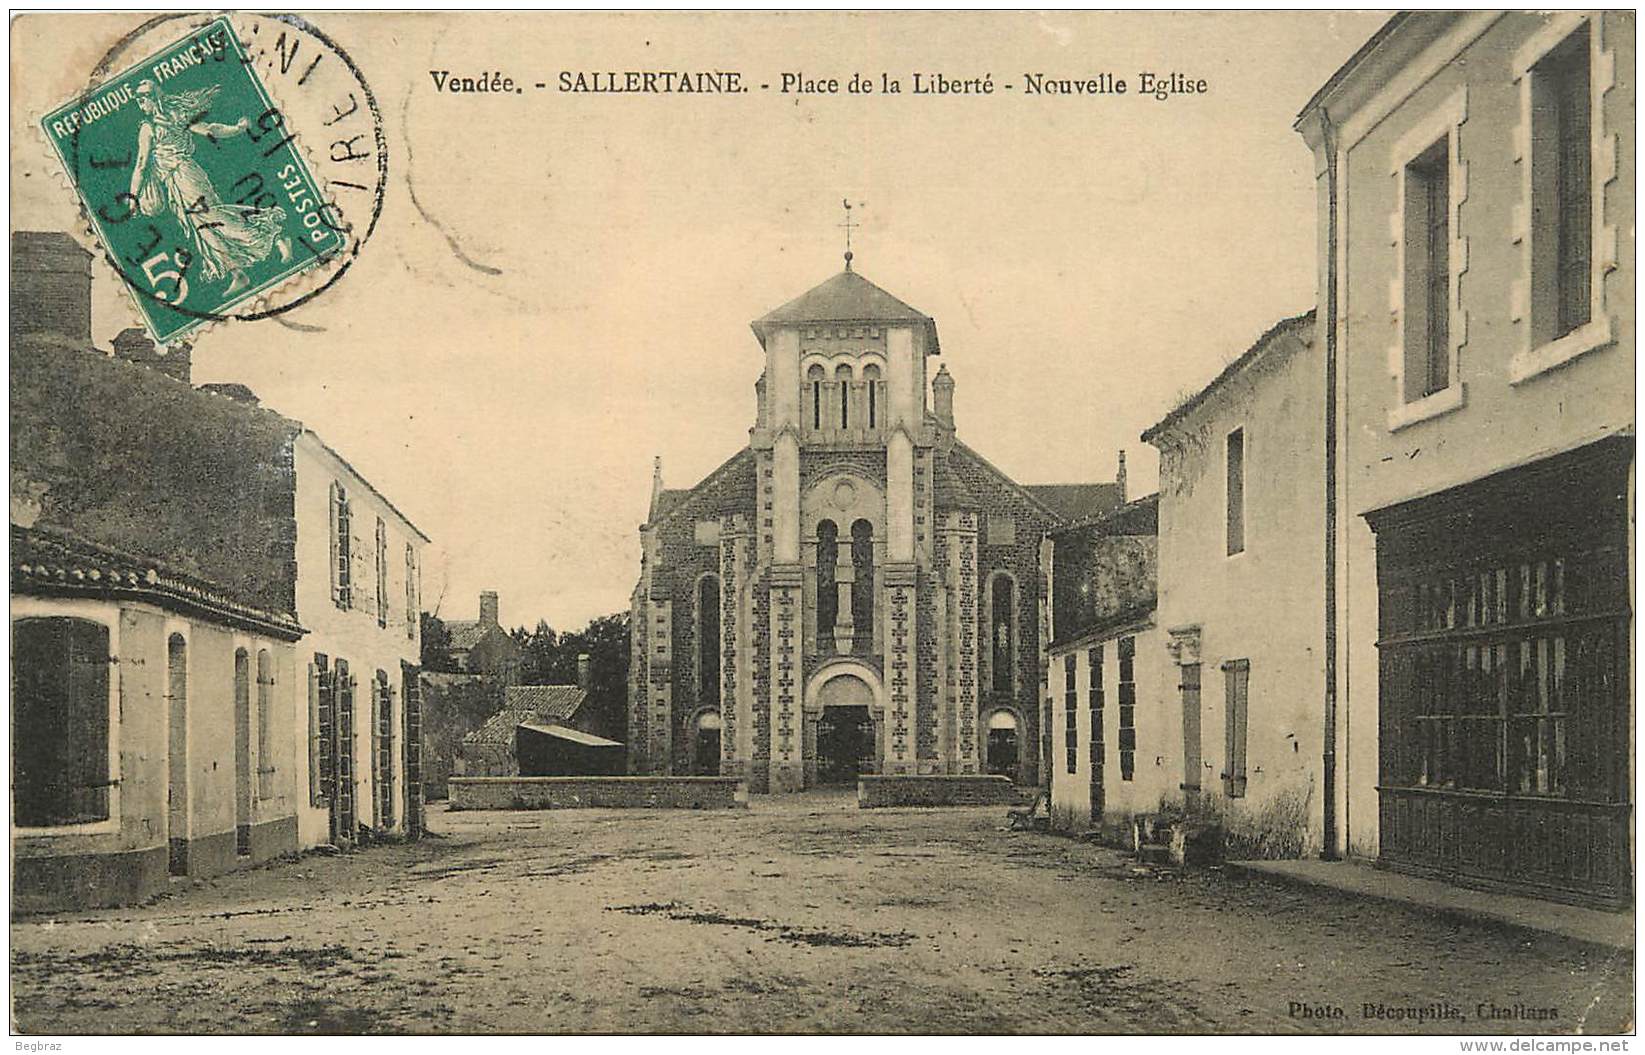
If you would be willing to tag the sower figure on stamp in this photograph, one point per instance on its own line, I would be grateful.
(225, 238)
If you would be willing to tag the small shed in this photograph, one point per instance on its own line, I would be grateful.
(547, 750)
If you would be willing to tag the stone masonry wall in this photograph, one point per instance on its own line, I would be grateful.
(561, 793)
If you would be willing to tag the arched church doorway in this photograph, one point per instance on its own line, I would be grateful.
(1004, 753)
(707, 760)
(846, 737)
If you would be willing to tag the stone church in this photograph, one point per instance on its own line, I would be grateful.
(856, 591)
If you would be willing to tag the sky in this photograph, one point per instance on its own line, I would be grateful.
(573, 297)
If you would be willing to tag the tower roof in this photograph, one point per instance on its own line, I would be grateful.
(846, 298)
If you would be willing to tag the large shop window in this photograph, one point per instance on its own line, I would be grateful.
(1504, 673)
(60, 722)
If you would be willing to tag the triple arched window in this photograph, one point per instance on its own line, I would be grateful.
(844, 398)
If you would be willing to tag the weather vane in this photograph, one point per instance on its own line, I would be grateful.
(849, 226)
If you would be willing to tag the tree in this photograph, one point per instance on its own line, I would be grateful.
(436, 644)
(551, 659)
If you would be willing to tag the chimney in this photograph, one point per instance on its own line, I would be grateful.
(942, 397)
(585, 672)
(1119, 477)
(51, 286)
(488, 608)
(134, 346)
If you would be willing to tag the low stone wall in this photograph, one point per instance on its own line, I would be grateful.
(569, 793)
(875, 792)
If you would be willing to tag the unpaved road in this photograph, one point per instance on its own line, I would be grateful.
(800, 914)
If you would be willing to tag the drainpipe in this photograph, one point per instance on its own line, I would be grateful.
(1329, 851)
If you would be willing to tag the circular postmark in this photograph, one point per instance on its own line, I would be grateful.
(233, 165)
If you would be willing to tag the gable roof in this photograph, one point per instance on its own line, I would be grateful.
(546, 704)
(1302, 326)
(466, 633)
(672, 500)
(847, 297)
(1140, 516)
(499, 728)
(1076, 501)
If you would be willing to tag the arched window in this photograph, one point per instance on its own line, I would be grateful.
(842, 374)
(828, 597)
(871, 387)
(60, 722)
(1002, 634)
(242, 752)
(862, 586)
(265, 719)
(815, 377)
(708, 640)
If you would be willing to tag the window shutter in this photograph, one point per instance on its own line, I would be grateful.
(336, 537)
(1236, 674)
(313, 735)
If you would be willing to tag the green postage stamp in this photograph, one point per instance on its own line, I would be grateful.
(195, 185)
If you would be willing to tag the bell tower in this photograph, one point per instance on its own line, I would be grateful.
(843, 413)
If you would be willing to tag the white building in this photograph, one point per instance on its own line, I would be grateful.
(358, 581)
(1476, 223)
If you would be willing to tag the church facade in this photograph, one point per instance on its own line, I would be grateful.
(856, 591)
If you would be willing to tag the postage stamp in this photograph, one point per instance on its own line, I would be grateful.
(194, 182)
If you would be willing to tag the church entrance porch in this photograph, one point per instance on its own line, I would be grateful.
(843, 724)
(845, 745)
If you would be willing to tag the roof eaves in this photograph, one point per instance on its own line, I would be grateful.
(1249, 356)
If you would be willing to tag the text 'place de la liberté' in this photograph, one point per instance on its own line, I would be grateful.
(1146, 85)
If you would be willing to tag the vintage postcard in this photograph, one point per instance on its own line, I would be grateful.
(983, 523)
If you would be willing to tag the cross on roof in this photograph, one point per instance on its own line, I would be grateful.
(849, 227)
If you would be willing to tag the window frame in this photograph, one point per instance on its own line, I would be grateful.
(1443, 122)
(1233, 524)
(1537, 357)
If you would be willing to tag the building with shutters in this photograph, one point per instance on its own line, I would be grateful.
(1115, 733)
(1241, 592)
(857, 590)
(358, 587)
(171, 546)
(1476, 185)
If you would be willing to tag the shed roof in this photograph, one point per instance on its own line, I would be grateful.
(576, 736)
